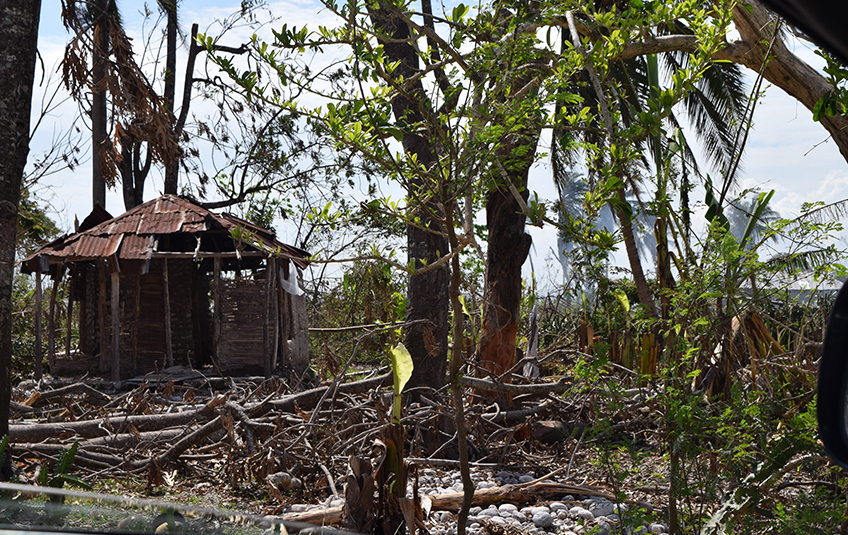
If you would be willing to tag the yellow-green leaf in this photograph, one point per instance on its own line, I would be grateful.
(402, 367)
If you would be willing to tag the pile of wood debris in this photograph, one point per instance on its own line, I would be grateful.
(294, 445)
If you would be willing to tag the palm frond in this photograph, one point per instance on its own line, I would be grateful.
(791, 263)
(716, 104)
(822, 214)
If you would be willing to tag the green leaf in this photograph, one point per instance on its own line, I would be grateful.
(622, 298)
(762, 202)
(458, 12)
(402, 367)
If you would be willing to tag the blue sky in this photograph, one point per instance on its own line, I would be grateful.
(786, 151)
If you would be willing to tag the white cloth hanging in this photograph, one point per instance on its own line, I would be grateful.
(290, 284)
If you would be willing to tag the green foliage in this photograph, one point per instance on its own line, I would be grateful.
(730, 411)
(368, 293)
(62, 472)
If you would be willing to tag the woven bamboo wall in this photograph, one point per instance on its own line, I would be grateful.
(242, 320)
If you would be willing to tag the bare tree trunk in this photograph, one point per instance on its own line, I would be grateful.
(427, 296)
(98, 103)
(18, 39)
(784, 69)
(646, 299)
(132, 176)
(507, 250)
(172, 168)
(508, 247)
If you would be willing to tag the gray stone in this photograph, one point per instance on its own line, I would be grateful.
(602, 528)
(542, 519)
(658, 528)
(540, 509)
(562, 514)
(490, 512)
(601, 507)
(474, 511)
(582, 514)
(525, 478)
(556, 506)
(507, 508)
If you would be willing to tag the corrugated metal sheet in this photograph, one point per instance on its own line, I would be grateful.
(135, 247)
(162, 223)
(131, 235)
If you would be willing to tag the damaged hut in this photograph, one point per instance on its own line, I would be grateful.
(171, 283)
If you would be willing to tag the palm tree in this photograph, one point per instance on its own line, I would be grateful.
(101, 14)
(739, 214)
(715, 105)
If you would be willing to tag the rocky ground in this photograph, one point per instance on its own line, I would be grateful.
(568, 515)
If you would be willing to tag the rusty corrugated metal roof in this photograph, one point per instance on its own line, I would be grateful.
(132, 235)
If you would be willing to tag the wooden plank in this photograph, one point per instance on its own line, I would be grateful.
(300, 330)
(137, 323)
(102, 277)
(202, 254)
(285, 322)
(38, 356)
(216, 315)
(51, 320)
(275, 320)
(116, 325)
(266, 324)
(169, 347)
(70, 322)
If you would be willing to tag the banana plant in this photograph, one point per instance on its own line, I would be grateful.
(392, 473)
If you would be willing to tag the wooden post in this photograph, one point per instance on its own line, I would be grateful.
(70, 322)
(275, 309)
(136, 320)
(216, 314)
(116, 324)
(103, 275)
(38, 355)
(266, 326)
(285, 319)
(169, 350)
(51, 320)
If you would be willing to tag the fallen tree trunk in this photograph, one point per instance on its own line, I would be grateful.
(516, 494)
(541, 388)
(105, 426)
(306, 400)
(125, 440)
(86, 459)
(39, 399)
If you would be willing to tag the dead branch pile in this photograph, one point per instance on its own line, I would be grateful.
(295, 446)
